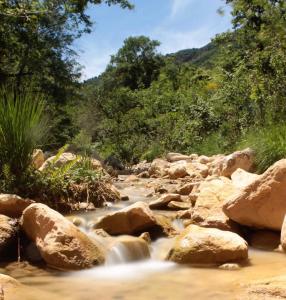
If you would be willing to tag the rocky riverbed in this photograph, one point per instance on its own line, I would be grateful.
(211, 231)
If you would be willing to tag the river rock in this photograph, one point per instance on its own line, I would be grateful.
(262, 203)
(211, 195)
(8, 235)
(264, 239)
(38, 158)
(9, 287)
(241, 178)
(283, 235)
(159, 168)
(13, 205)
(132, 178)
(135, 218)
(61, 244)
(186, 189)
(163, 201)
(226, 165)
(173, 157)
(178, 170)
(179, 205)
(267, 289)
(198, 245)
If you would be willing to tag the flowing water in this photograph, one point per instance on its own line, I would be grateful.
(152, 278)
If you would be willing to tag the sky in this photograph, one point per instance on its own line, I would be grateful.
(177, 24)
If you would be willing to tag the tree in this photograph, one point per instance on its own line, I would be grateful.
(137, 63)
(36, 40)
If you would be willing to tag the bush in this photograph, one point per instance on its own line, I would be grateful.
(269, 144)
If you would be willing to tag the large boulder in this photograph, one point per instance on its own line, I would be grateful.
(61, 244)
(13, 205)
(262, 203)
(164, 200)
(38, 158)
(135, 218)
(241, 178)
(211, 196)
(8, 235)
(226, 165)
(10, 288)
(283, 235)
(159, 167)
(198, 245)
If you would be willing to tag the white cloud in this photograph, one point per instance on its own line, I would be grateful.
(178, 6)
(172, 40)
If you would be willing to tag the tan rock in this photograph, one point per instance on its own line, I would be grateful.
(61, 244)
(159, 168)
(10, 288)
(135, 218)
(8, 235)
(13, 205)
(186, 189)
(241, 178)
(38, 158)
(267, 289)
(211, 196)
(163, 201)
(283, 235)
(197, 245)
(62, 160)
(204, 159)
(226, 165)
(195, 169)
(178, 170)
(132, 178)
(146, 237)
(179, 205)
(173, 157)
(262, 203)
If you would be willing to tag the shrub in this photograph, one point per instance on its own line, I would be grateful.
(269, 144)
(22, 129)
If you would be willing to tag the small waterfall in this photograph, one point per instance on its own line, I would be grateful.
(127, 249)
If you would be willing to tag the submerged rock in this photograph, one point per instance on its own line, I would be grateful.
(267, 289)
(261, 204)
(197, 245)
(13, 205)
(61, 244)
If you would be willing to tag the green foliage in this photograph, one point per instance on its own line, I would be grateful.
(22, 129)
(269, 144)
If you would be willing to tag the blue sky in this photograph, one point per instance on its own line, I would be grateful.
(177, 24)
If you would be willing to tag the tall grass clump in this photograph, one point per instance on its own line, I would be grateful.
(269, 144)
(22, 128)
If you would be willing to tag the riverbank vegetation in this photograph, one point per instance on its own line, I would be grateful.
(209, 100)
